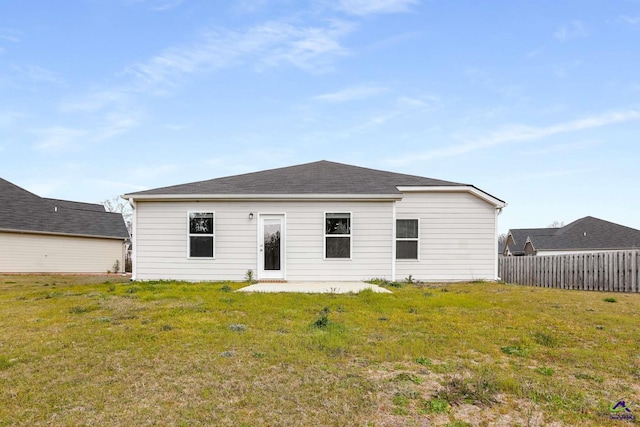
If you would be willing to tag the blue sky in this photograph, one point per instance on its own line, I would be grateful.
(535, 102)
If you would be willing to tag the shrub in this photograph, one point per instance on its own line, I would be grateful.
(249, 278)
(321, 322)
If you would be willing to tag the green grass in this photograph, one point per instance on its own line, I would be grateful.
(102, 351)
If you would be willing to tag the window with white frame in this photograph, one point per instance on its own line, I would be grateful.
(337, 235)
(407, 238)
(201, 235)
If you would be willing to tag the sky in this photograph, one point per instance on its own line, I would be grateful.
(535, 102)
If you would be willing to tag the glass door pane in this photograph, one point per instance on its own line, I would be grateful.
(272, 233)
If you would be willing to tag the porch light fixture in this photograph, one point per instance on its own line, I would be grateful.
(250, 215)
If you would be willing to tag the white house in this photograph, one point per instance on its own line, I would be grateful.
(317, 221)
(41, 235)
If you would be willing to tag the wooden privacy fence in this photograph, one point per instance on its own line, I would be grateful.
(617, 271)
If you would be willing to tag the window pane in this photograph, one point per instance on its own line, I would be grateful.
(406, 249)
(338, 247)
(338, 223)
(407, 228)
(272, 247)
(200, 223)
(201, 247)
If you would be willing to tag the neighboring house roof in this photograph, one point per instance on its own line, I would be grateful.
(322, 177)
(584, 234)
(23, 211)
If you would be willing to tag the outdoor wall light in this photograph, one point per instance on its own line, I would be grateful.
(250, 215)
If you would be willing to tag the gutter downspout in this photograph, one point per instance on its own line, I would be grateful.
(393, 243)
(134, 240)
(496, 246)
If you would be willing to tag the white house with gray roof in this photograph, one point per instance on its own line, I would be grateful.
(318, 221)
(40, 235)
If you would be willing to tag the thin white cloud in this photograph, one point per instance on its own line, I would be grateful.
(352, 93)
(633, 20)
(7, 118)
(369, 7)
(522, 133)
(575, 29)
(94, 101)
(115, 123)
(9, 35)
(402, 107)
(268, 45)
(38, 74)
(57, 138)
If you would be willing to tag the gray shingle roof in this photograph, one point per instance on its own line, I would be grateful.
(321, 177)
(21, 210)
(586, 233)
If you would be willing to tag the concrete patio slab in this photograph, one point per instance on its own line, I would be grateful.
(314, 287)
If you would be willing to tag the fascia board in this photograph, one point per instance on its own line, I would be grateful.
(455, 189)
(263, 197)
(47, 233)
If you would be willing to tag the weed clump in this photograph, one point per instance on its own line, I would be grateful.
(239, 327)
(545, 339)
(515, 350)
(424, 361)
(321, 322)
(480, 389)
(436, 406)
(6, 363)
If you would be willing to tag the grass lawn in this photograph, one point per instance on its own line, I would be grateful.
(102, 351)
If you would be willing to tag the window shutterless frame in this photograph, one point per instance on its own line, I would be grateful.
(407, 233)
(338, 235)
(201, 239)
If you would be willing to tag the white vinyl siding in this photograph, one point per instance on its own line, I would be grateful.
(457, 237)
(39, 253)
(161, 241)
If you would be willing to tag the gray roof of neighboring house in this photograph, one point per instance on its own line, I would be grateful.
(23, 211)
(586, 233)
(322, 177)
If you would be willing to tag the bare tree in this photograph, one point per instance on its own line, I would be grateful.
(556, 224)
(121, 206)
(502, 238)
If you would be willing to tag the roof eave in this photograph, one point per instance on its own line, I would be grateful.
(455, 189)
(262, 197)
(49, 233)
